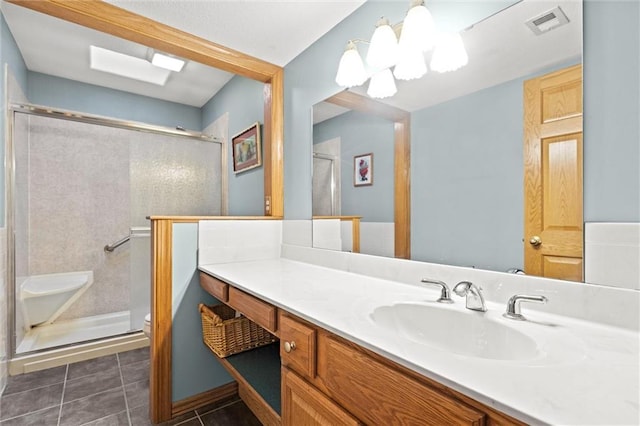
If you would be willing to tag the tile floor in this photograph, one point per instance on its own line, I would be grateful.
(108, 391)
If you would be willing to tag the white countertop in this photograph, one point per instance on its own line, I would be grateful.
(584, 373)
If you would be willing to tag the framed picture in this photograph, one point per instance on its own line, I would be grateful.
(363, 170)
(247, 150)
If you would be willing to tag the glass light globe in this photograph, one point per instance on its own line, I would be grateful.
(449, 53)
(411, 65)
(382, 85)
(418, 29)
(383, 50)
(351, 70)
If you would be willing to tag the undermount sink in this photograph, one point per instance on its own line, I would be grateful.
(459, 331)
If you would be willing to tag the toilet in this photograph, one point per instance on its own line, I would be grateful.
(146, 328)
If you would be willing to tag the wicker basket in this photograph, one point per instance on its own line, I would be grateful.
(225, 334)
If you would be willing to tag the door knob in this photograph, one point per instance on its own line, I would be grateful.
(288, 347)
(535, 241)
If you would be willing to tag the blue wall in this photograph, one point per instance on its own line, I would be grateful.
(611, 108)
(243, 99)
(10, 55)
(43, 89)
(360, 134)
(611, 111)
(194, 367)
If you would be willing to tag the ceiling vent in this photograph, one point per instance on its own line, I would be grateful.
(547, 21)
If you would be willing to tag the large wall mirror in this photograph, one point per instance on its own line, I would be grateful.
(467, 145)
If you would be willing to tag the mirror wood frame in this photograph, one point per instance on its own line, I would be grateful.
(119, 22)
(401, 161)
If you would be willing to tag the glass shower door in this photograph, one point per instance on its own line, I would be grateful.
(169, 176)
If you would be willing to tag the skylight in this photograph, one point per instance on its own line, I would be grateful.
(127, 66)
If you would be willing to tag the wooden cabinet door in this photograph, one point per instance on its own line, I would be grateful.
(553, 175)
(304, 405)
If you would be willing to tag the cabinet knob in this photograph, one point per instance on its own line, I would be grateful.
(535, 241)
(289, 346)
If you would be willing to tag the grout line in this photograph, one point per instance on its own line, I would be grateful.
(64, 385)
(124, 391)
(217, 408)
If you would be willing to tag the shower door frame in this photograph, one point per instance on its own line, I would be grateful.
(334, 173)
(10, 185)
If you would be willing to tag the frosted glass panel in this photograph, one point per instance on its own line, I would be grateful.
(322, 187)
(172, 176)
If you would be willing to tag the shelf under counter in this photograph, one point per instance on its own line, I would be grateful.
(257, 372)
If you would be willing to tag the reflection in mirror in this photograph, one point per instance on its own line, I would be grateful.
(467, 140)
(85, 176)
(337, 142)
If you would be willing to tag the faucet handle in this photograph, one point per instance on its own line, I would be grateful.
(513, 305)
(473, 294)
(462, 288)
(445, 293)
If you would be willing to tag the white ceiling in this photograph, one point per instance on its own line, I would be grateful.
(280, 30)
(500, 48)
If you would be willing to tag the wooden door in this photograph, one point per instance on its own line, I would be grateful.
(553, 175)
(304, 405)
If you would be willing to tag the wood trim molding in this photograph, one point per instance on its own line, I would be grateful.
(402, 161)
(160, 404)
(402, 192)
(212, 396)
(274, 145)
(119, 22)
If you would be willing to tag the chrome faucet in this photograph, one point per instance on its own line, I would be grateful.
(473, 294)
(513, 305)
(445, 293)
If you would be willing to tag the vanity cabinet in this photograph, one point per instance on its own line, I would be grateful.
(328, 380)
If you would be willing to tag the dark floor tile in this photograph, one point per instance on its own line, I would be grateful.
(219, 404)
(237, 414)
(135, 372)
(23, 382)
(120, 419)
(140, 417)
(137, 393)
(93, 407)
(89, 385)
(46, 417)
(92, 366)
(18, 404)
(135, 355)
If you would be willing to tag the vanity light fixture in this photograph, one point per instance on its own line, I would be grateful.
(406, 55)
(167, 62)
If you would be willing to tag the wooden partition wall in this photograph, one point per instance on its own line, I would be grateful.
(162, 407)
(402, 161)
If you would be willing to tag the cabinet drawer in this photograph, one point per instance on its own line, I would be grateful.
(378, 394)
(253, 308)
(302, 404)
(215, 287)
(297, 346)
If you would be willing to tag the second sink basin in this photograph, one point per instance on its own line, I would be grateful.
(462, 332)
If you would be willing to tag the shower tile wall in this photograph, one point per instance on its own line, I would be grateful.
(78, 202)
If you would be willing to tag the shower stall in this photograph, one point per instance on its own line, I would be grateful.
(80, 189)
